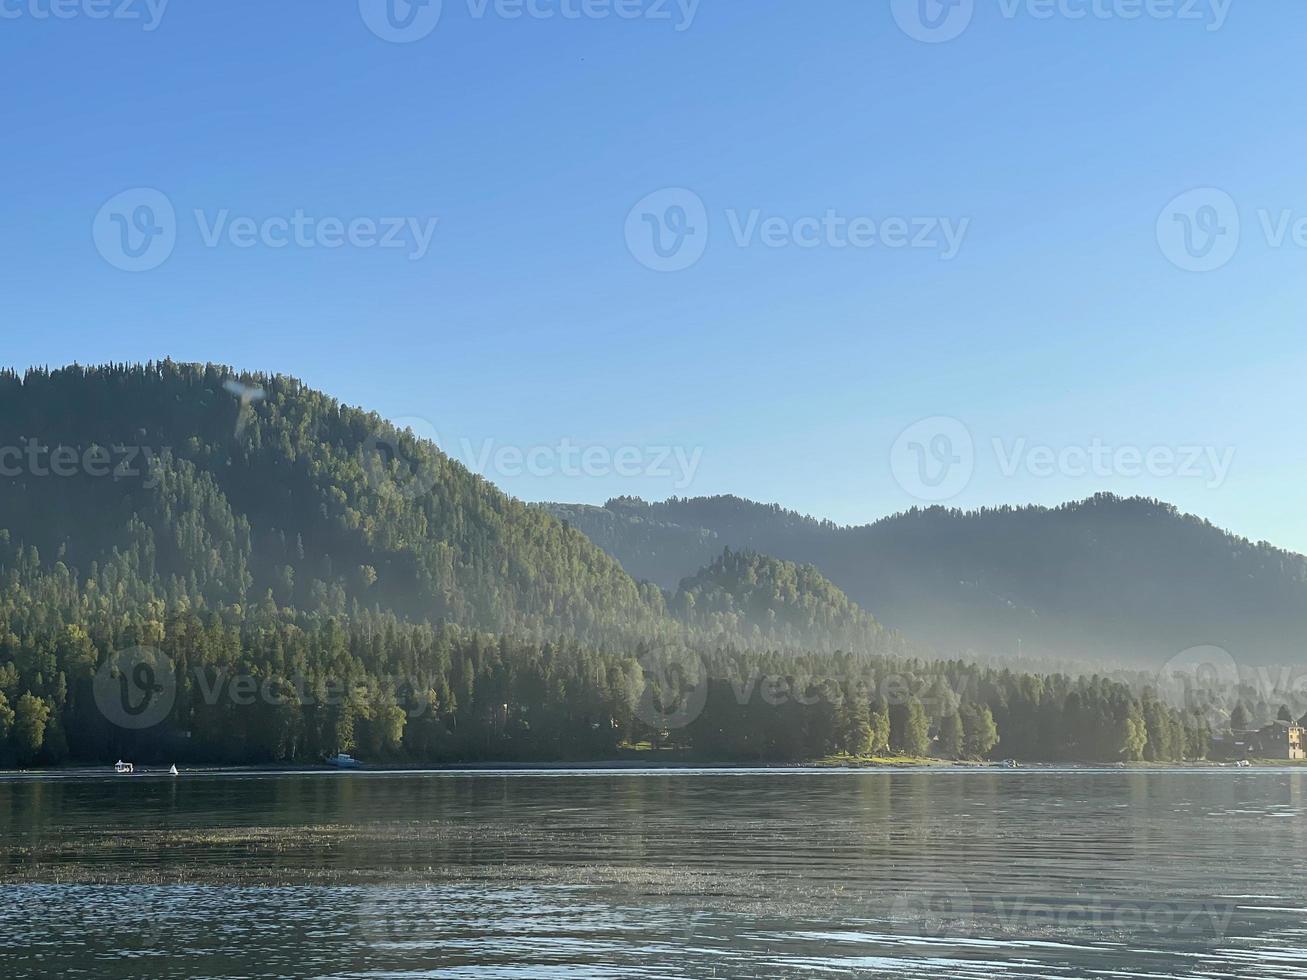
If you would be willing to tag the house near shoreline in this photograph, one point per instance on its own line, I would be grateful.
(1281, 740)
(1278, 740)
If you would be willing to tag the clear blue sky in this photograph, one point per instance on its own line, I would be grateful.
(1060, 321)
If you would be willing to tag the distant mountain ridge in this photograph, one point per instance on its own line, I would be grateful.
(296, 499)
(1104, 578)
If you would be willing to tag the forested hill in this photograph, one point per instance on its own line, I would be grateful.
(209, 567)
(1108, 577)
(188, 486)
(191, 487)
(773, 603)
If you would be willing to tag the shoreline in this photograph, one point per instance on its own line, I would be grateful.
(890, 764)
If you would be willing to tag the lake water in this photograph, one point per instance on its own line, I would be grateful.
(980, 873)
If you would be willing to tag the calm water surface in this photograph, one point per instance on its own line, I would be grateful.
(978, 873)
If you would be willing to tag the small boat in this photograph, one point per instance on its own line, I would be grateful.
(1011, 764)
(1244, 764)
(123, 768)
(172, 771)
(342, 760)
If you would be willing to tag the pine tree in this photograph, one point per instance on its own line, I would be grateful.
(855, 723)
(914, 737)
(979, 733)
(951, 738)
(30, 720)
(1239, 718)
(880, 730)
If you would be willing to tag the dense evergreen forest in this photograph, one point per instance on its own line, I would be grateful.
(1104, 580)
(200, 566)
(768, 602)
